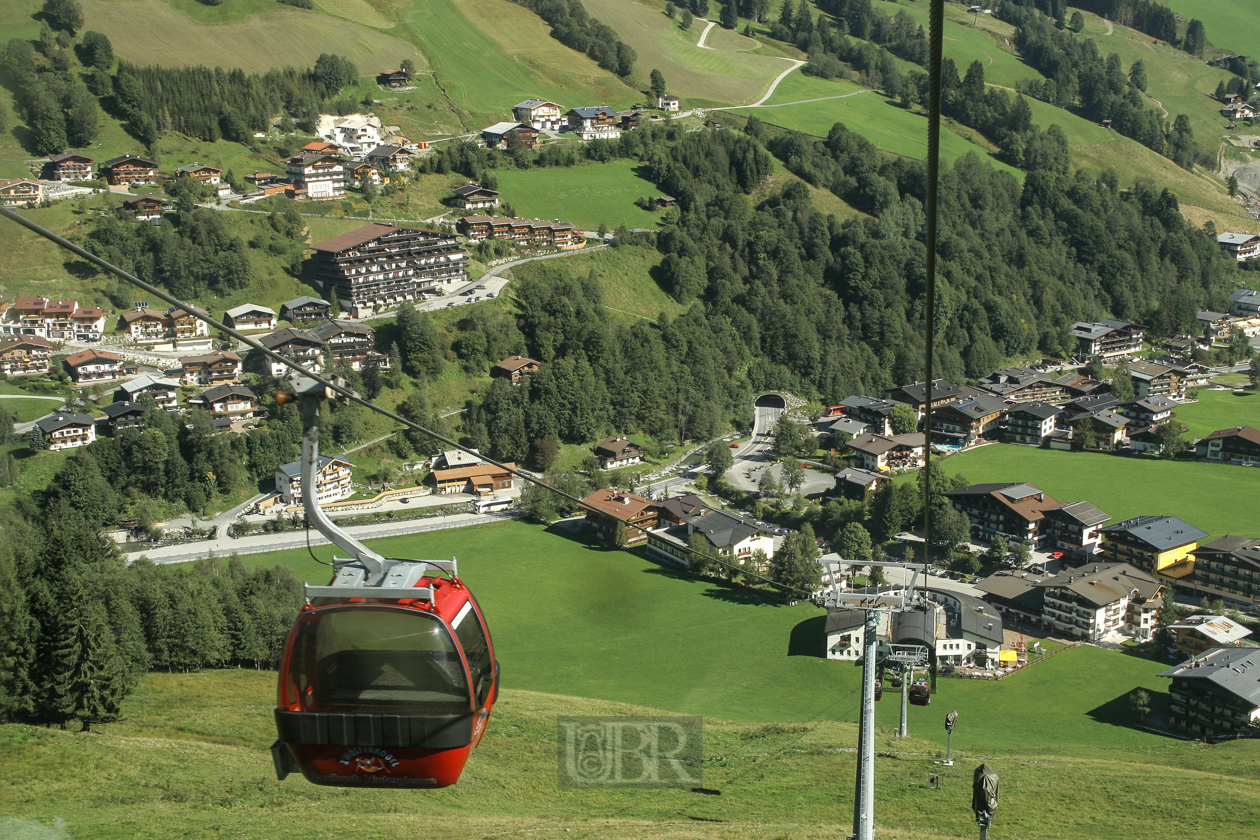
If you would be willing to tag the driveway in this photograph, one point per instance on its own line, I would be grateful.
(22, 428)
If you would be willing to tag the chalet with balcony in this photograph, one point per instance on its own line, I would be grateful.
(1195, 634)
(667, 103)
(1217, 693)
(1216, 325)
(90, 366)
(524, 232)
(1015, 595)
(1152, 380)
(616, 452)
(59, 318)
(17, 192)
(515, 369)
(333, 480)
(322, 176)
(1107, 338)
(130, 169)
(858, 485)
(207, 175)
(87, 323)
(390, 158)
(476, 479)
(363, 173)
(594, 123)
(293, 344)
(1150, 411)
(1073, 528)
(1157, 544)
(1099, 429)
(165, 392)
(475, 197)
(218, 368)
(305, 309)
(915, 395)
(1227, 568)
(229, 402)
(1030, 423)
(498, 136)
(25, 355)
(350, 343)
(605, 509)
(250, 316)
(383, 265)
(66, 430)
(1077, 385)
(875, 413)
(968, 421)
(1245, 303)
(880, 453)
(185, 326)
(144, 208)
(539, 113)
(1239, 445)
(1012, 511)
(260, 178)
(1101, 599)
(68, 166)
(26, 317)
(123, 415)
(732, 538)
(393, 78)
(1240, 246)
(1020, 385)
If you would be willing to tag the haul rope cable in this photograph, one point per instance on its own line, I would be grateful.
(348, 393)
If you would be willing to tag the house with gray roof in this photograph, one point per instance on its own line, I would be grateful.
(874, 412)
(1245, 303)
(165, 392)
(1073, 528)
(1217, 693)
(915, 394)
(304, 309)
(968, 421)
(332, 480)
(473, 196)
(857, 484)
(1102, 599)
(542, 114)
(733, 538)
(123, 415)
(1153, 543)
(1008, 510)
(1020, 384)
(1240, 246)
(1107, 338)
(65, 430)
(878, 453)
(1030, 423)
(250, 316)
(1014, 594)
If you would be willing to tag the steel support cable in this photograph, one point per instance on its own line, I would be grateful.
(329, 383)
(936, 26)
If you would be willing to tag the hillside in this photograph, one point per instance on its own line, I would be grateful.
(636, 639)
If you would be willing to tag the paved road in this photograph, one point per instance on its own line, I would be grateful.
(770, 91)
(258, 544)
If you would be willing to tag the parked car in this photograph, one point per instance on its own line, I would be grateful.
(734, 446)
(1056, 555)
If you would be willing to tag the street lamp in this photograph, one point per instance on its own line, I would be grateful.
(950, 720)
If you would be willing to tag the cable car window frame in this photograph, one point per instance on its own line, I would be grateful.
(475, 642)
(305, 665)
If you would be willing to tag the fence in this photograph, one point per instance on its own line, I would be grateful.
(997, 675)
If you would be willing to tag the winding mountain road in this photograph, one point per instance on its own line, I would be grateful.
(705, 34)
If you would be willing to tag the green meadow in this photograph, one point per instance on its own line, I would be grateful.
(1232, 25)
(1218, 498)
(590, 631)
(587, 195)
(1217, 410)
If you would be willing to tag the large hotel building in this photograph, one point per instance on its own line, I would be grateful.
(381, 266)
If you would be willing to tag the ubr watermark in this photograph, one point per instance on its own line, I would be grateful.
(642, 752)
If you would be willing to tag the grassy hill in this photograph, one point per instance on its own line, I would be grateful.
(1232, 25)
(631, 638)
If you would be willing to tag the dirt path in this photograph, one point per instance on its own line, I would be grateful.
(1110, 28)
(705, 34)
(760, 103)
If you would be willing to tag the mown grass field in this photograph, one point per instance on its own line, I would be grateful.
(881, 120)
(1232, 25)
(280, 37)
(484, 79)
(28, 410)
(613, 629)
(965, 42)
(724, 75)
(1220, 410)
(586, 195)
(1218, 498)
(630, 290)
(190, 759)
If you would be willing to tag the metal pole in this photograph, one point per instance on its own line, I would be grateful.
(949, 748)
(984, 832)
(906, 676)
(864, 800)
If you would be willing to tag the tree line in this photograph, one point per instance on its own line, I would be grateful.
(79, 628)
(1078, 77)
(572, 26)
